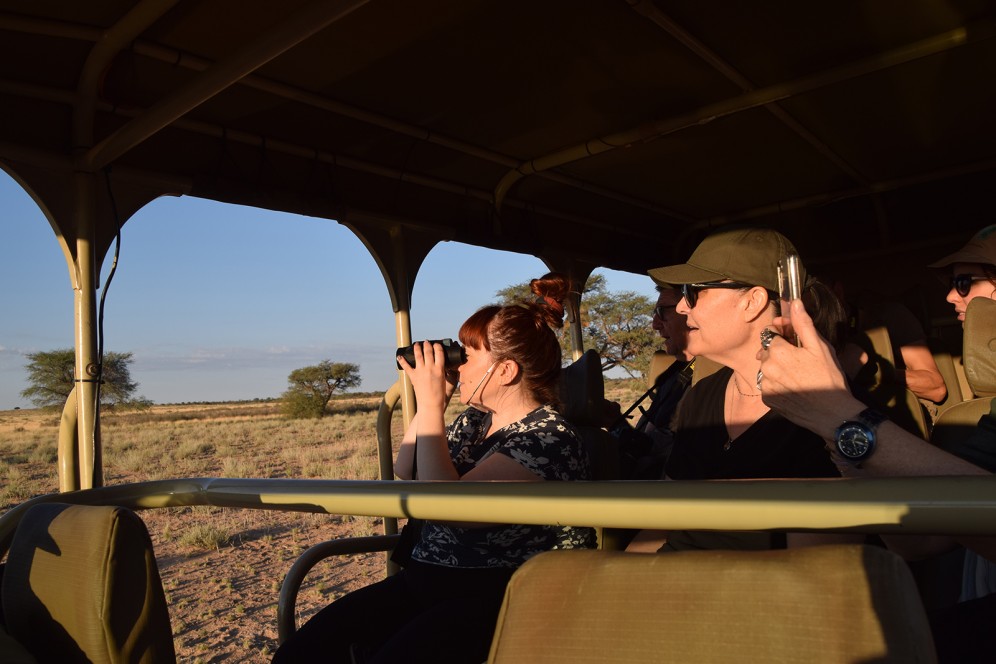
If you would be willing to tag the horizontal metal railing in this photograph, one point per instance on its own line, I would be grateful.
(922, 505)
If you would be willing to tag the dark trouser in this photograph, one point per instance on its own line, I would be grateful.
(966, 632)
(425, 613)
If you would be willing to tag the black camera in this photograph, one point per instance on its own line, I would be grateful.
(455, 354)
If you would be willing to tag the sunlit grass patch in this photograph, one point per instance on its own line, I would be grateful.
(16, 487)
(205, 537)
(191, 448)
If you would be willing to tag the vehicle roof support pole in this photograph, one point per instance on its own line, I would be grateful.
(578, 272)
(87, 371)
(87, 467)
(68, 450)
(403, 333)
(399, 251)
(573, 303)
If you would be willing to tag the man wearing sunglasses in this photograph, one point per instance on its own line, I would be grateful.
(644, 447)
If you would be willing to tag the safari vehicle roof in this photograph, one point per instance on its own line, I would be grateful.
(589, 132)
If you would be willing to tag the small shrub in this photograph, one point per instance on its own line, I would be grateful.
(205, 537)
(236, 467)
(44, 453)
(193, 448)
(299, 406)
(137, 459)
(17, 488)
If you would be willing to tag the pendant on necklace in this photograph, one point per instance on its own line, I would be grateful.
(728, 444)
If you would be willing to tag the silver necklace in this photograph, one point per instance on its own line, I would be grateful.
(728, 416)
(736, 384)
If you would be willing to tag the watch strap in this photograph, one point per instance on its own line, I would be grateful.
(871, 418)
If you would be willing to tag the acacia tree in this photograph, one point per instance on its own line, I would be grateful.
(311, 388)
(616, 324)
(51, 375)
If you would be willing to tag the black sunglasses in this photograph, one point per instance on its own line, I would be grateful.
(691, 291)
(661, 309)
(962, 283)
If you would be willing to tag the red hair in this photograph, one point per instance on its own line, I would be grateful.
(523, 332)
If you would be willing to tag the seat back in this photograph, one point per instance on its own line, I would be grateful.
(81, 585)
(947, 366)
(979, 349)
(582, 398)
(826, 603)
(704, 367)
(881, 360)
(878, 378)
(659, 363)
(979, 359)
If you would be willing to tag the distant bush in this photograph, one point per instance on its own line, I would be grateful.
(299, 405)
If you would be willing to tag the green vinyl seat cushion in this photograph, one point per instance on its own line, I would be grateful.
(81, 585)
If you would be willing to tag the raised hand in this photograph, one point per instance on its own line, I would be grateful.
(805, 384)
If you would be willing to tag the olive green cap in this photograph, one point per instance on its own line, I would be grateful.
(747, 255)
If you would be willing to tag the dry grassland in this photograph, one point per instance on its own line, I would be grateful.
(222, 568)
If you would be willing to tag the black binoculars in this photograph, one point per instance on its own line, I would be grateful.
(455, 354)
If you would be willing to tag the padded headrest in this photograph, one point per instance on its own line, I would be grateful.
(582, 390)
(81, 585)
(979, 351)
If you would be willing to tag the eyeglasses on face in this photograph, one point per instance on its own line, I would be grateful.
(962, 283)
(661, 310)
(691, 291)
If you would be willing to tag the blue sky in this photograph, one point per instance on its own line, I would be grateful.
(221, 302)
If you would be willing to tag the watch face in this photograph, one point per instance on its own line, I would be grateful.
(853, 440)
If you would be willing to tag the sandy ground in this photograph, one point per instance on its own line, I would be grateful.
(223, 603)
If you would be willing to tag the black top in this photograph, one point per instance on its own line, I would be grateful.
(771, 447)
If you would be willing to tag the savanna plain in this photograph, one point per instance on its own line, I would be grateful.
(222, 568)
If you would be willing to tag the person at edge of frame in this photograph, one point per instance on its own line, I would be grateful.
(806, 385)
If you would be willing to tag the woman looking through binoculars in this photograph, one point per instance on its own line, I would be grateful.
(443, 605)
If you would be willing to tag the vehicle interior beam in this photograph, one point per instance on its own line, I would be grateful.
(185, 60)
(747, 101)
(305, 23)
(649, 10)
(310, 153)
(826, 198)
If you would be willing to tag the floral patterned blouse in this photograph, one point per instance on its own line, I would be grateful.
(542, 441)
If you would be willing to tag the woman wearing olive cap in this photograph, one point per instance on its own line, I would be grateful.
(723, 428)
